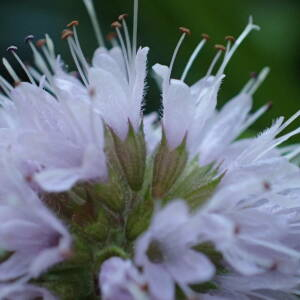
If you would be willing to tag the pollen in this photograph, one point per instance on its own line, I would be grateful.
(220, 47)
(66, 34)
(185, 30)
(73, 23)
(40, 43)
(116, 24)
(205, 36)
(122, 17)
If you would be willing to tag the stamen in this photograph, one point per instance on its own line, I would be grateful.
(289, 121)
(37, 76)
(42, 44)
(127, 38)
(40, 62)
(5, 85)
(230, 39)
(135, 26)
(185, 32)
(292, 154)
(221, 49)
(237, 43)
(11, 71)
(68, 35)
(81, 56)
(50, 46)
(116, 25)
(13, 50)
(249, 84)
(194, 55)
(92, 13)
(259, 80)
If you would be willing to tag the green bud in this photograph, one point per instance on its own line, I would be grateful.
(168, 166)
(131, 154)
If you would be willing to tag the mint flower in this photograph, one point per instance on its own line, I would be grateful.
(98, 201)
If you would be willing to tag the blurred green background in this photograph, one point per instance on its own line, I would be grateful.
(277, 44)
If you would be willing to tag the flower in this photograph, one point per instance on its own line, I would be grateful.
(98, 201)
(120, 279)
(165, 253)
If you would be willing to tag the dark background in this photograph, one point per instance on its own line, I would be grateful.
(277, 44)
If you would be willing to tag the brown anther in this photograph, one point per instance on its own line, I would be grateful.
(273, 267)
(253, 75)
(12, 49)
(267, 185)
(185, 30)
(116, 24)
(40, 43)
(205, 36)
(17, 83)
(29, 38)
(122, 17)
(220, 47)
(73, 23)
(66, 34)
(229, 38)
(270, 105)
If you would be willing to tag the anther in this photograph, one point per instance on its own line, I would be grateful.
(205, 36)
(220, 47)
(185, 30)
(40, 43)
(116, 24)
(229, 38)
(122, 17)
(12, 49)
(73, 23)
(66, 34)
(29, 38)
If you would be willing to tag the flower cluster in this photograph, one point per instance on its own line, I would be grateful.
(98, 201)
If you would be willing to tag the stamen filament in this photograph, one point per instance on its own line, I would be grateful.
(40, 62)
(127, 39)
(72, 46)
(23, 67)
(292, 154)
(213, 63)
(5, 85)
(237, 43)
(92, 13)
(10, 70)
(184, 34)
(193, 58)
(135, 27)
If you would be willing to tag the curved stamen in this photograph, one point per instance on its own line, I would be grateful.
(18, 59)
(11, 71)
(237, 43)
(92, 13)
(194, 56)
(185, 32)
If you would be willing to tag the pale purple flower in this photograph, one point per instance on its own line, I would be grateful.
(120, 279)
(29, 232)
(165, 253)
(57, 143)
